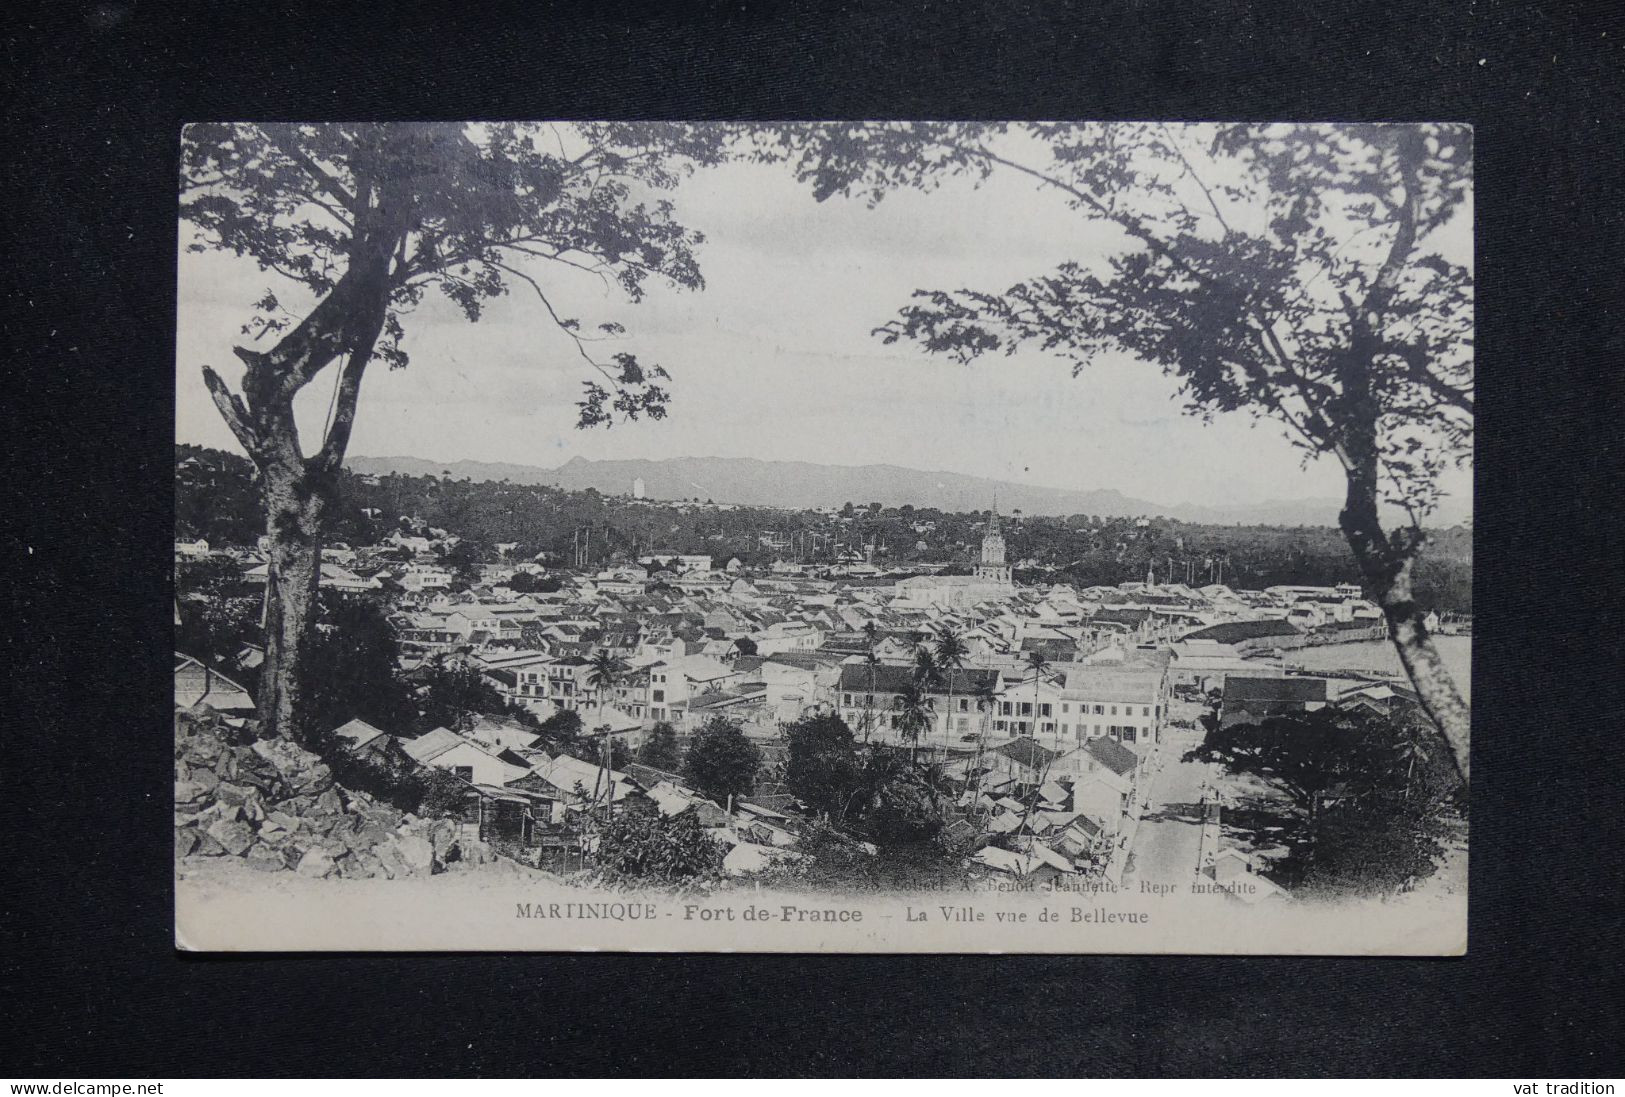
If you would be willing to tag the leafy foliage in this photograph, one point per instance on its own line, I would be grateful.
(563, 727)
(833, 861)
(822, 769)
(604, 673)
(463, 561)
(351, 670)
(443, 794)
(1285, 271)
(899, 804)
(1081, 549)
(721, 761)
(523, 582)
(394, 779)
(640, 845)
(660, 749)
(1373, 803)
(914, 707)
(1305, 756)
(451, 694)
(467, 211)
(1243, 263)
(1381, 845)
(361, 221)
(219, 614)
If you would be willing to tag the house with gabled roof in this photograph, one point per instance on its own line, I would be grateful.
(674, 798)
(796, 680)
(501, 733)
(567, 774)
(1110, 756)
(1023, 759)
(365, 741)
(1082, 838)
(1234, 874)
(198, 684)
(1036, 863)
(444, 749)
(333, 577)
(743, 703)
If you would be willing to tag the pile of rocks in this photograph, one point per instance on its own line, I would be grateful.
(276, 806)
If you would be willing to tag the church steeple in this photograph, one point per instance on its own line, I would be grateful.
(993, 568)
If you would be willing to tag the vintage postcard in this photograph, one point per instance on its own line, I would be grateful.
(848, 537)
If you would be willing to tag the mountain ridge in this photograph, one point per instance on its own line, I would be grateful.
(755, 481)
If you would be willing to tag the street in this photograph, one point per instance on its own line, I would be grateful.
(1169, 839)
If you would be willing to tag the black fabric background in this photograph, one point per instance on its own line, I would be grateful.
(95, 96)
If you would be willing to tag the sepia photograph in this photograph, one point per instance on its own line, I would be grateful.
(921, 537)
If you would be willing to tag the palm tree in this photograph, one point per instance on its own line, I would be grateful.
(603, 673)
(949, 652)
(925, 666)
(915, 713)
(873, 662)
(1039, 666)
(986, 694)
(871, 633)
(927, 674)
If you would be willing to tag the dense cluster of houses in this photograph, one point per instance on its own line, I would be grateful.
(515, 790)
(1046, 721)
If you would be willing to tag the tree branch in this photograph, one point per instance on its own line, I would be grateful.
(581, 348)
(1407, 151)
(1190, 171)
(331, 455)
(1416, 369)
(235, 413)
(280, 136)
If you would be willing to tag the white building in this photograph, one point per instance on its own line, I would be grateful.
(333, 577)
(993, 568)
(421, 577)
(444, 749)
(683, 562)
(1123, 703)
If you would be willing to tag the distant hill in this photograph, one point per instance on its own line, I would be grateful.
(801, 485)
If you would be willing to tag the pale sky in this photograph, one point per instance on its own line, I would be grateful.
(774, 358)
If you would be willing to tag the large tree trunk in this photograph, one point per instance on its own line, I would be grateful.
(293, 573)
(344, 328)
(1385, 559)
(1385, 563)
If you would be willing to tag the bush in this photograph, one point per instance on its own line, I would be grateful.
(642, 846)
(444, 796)
(833, 861)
